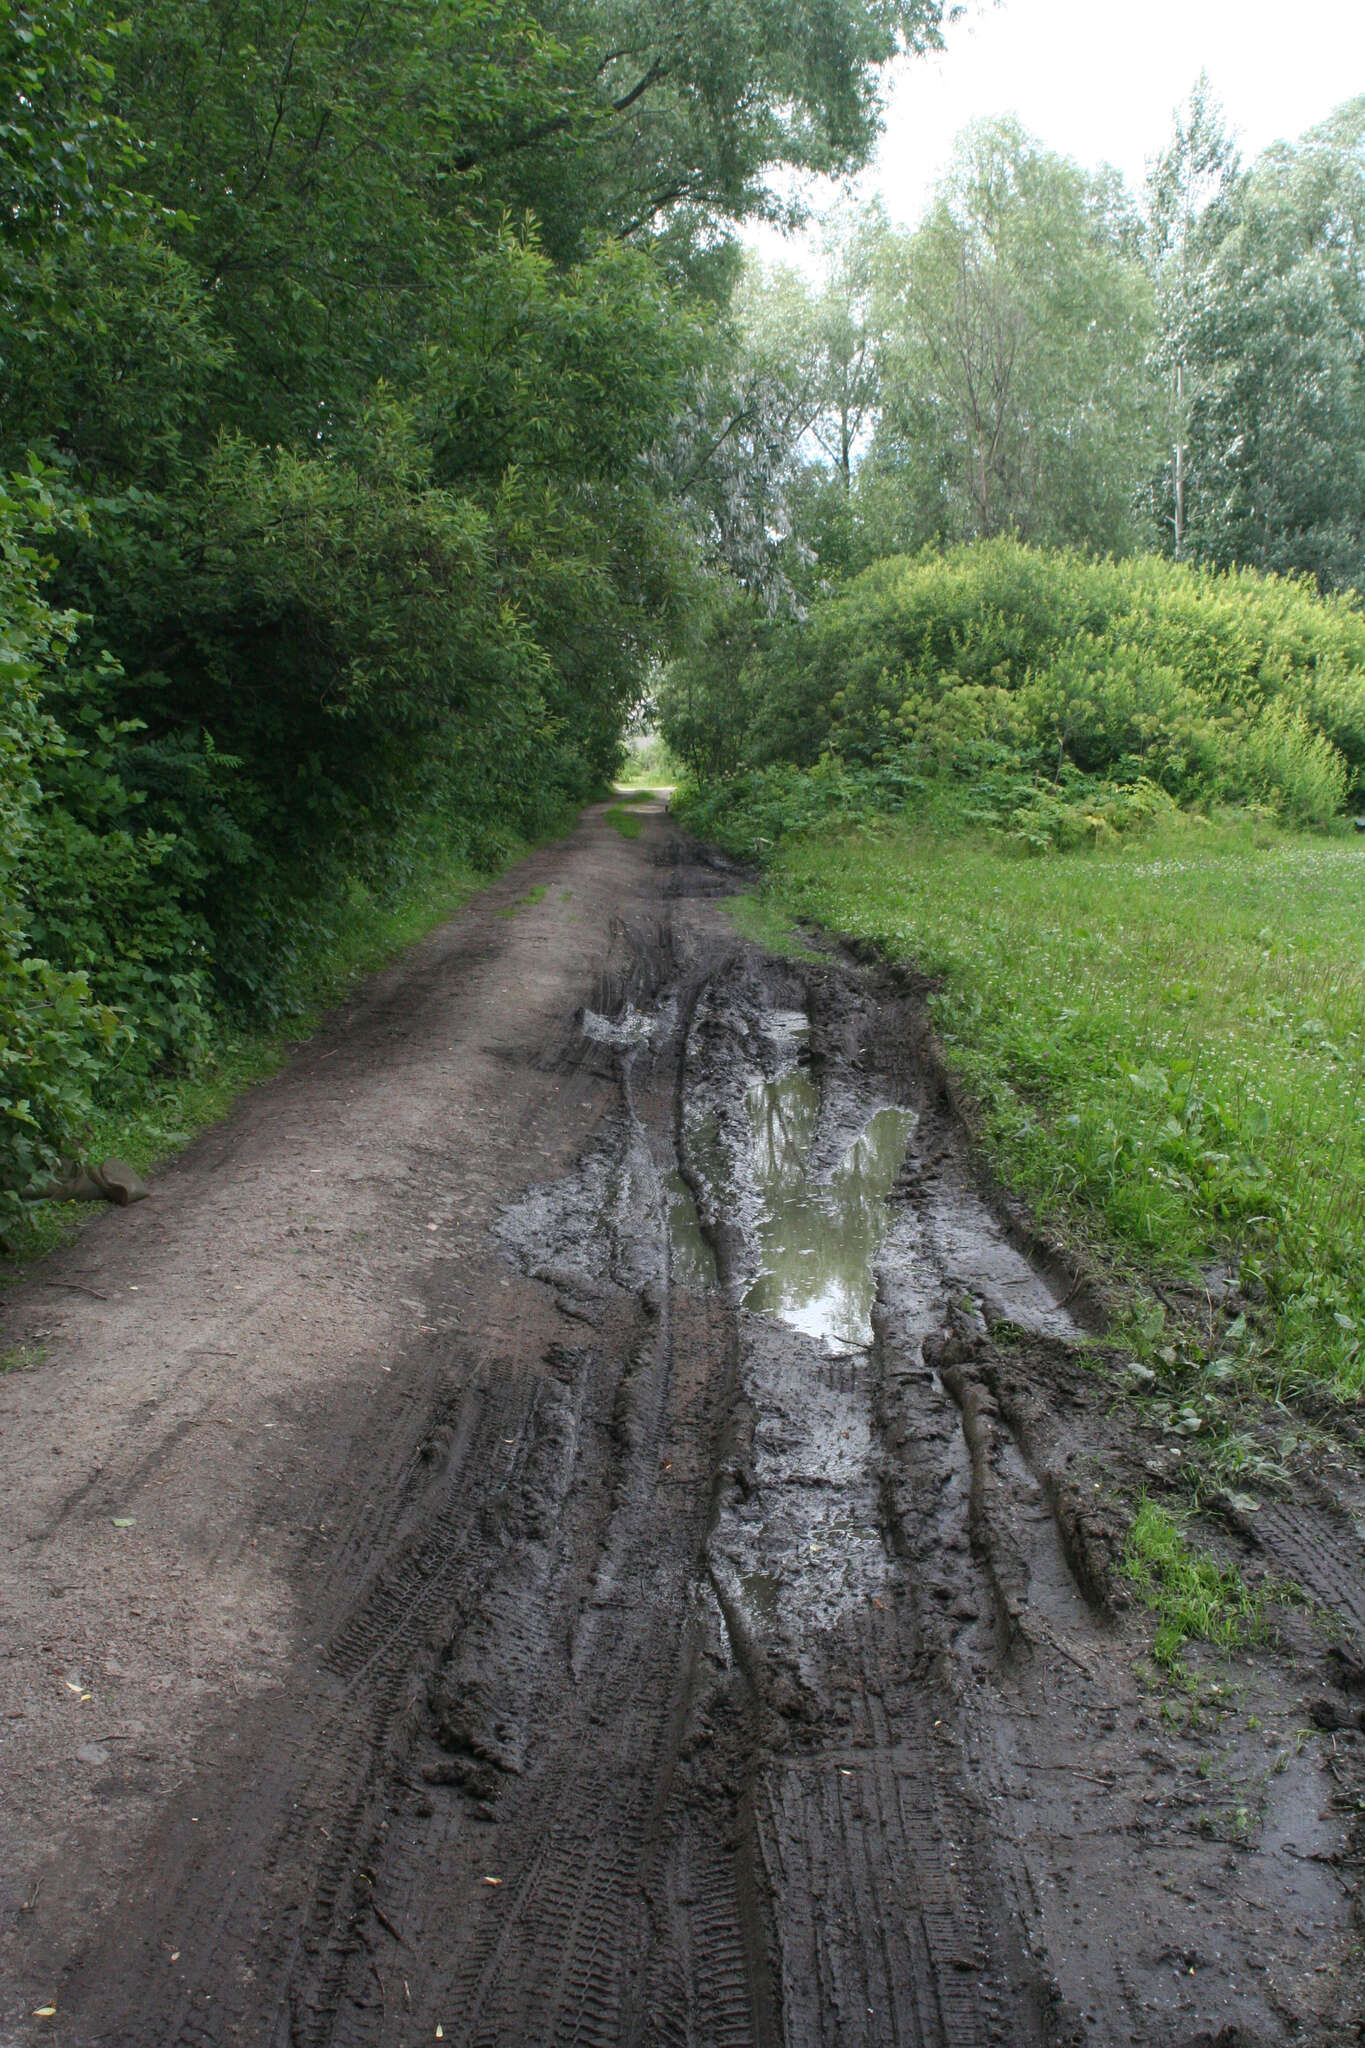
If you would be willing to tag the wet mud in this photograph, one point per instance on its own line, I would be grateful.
(756, 1670)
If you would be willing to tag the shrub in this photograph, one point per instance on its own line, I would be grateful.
(52, 1034)
(1206, 684)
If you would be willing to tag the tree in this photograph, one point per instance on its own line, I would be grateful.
(1188, 189)
(825, 342)
(1270, 320)
(670, 115)
(62, 150)
(1017, 397)
(1191, 179)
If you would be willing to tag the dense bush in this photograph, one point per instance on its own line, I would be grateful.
(52, 1034)
(1205, 685)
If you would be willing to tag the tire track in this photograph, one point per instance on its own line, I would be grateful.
(710, 1682)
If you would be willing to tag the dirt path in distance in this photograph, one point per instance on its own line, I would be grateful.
(571, 1518)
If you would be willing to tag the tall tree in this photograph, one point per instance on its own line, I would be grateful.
(672, 114)
(1189, 186)
(824, 342)
(1017, 397)
(1270, 321)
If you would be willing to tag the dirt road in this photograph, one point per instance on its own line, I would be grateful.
(571, 1519)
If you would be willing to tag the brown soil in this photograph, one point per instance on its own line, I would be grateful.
(436, 1608)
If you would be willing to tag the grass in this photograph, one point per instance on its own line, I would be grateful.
(1166, 1041)
(628, 823)
(760, 918)
(148, 1124)
(22, 1358)
(535, 894)
(1194, 1598)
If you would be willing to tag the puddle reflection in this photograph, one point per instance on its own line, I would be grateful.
(817, 1241)
(694, 1262)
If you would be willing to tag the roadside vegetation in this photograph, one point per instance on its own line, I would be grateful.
(1195, 1598)
(146, 1119)
(1153, 992)
(372, 415)
(1163, 1037)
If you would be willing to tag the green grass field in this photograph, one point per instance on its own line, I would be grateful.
(1165, 1041)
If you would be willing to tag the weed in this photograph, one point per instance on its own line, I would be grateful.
(22, 1358)
(535, 894)
(628, 823)
(1194, 1598)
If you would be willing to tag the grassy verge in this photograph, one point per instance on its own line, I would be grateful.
(757, 915)
(1165, 1041)
(147, 1124)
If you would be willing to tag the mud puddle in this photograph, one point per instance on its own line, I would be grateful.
(909, 1672)
(815, 1239)
(777, 1684)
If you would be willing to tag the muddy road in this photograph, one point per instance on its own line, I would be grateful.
(573, 1518)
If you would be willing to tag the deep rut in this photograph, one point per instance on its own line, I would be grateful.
(723, 1682)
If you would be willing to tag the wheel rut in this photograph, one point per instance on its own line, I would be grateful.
(748, 1668)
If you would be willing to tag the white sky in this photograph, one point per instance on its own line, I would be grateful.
(1098, 80)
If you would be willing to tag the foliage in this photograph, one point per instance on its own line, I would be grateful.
(1188, 187)
(1191, 178)
(648, 762)
(1205, 685)
(1046, 357)
(145, 1118)
(1016, 392)
(673, 116)
(824, 344)
(62, 149)
(753, 813)
(1266, 310)
(52, 1035)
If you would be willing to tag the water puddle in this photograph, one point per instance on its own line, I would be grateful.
(694, 1262)
(817, 1240)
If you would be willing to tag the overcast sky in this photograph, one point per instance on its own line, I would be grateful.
(1098, 80)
